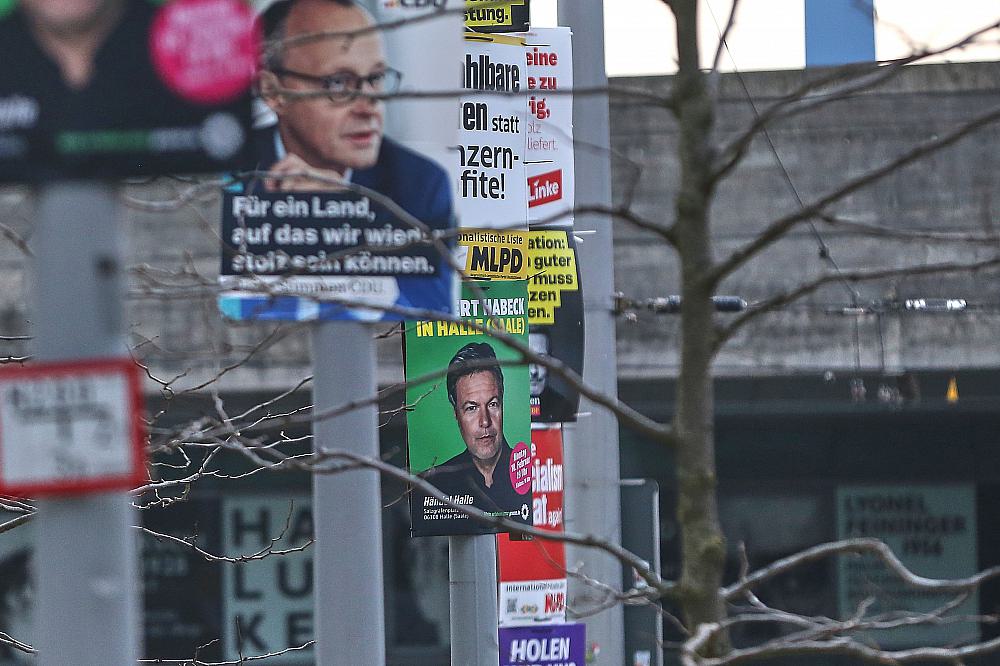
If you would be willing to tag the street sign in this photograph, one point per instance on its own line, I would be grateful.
(71, 427)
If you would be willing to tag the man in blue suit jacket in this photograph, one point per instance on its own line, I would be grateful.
(329, 123)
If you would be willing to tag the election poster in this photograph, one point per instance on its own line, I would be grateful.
(495, 255)
(166, 88)
(325, 256)
(468, 427)
(555, 319)
(551, 645)
(549, 146)
(491, 182)
(349, 211)
(497, 15)
(932, 529)
(491, 149)
(532, 572)
(182, 591)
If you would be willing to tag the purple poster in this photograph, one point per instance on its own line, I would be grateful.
(549, 645)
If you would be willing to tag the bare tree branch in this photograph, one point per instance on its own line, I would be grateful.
(759, 308)
(781, 226)
(724, 37)
(238, 662)
(267, 551)
(857, 78)
(859, 546)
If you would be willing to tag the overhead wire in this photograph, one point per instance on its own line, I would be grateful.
(824, 249)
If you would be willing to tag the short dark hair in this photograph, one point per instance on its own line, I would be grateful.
(473, 357)
(272, 23)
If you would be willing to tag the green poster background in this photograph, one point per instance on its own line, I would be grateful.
(432, 433)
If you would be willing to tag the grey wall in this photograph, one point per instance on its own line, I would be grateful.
(955, 190)
(180, 333)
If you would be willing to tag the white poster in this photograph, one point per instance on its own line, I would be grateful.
(527, 602)
(491, 150)
(549, 62)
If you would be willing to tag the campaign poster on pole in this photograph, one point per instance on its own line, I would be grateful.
(555, 303)
(497, 15)
(468, 427)
(550, 166)
(551, 645)
(532, 572)
(166, 90)
(932, 530)
(555, 319)
(491, 183)
(349, 212)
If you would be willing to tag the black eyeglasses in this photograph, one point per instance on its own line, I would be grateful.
(345, 86)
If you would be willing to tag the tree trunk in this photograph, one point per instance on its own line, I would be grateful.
(703, 551)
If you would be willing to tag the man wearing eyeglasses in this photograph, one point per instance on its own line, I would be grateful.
(324, 92)
(328, 93)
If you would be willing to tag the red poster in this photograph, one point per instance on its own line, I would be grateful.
(533, 573)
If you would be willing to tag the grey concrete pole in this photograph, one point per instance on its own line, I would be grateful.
(347, 507)
(472, 580)
(591, 446)
(85, 555)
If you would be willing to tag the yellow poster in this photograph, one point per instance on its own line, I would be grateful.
(496, 15)
(497, 255)
(552, 272)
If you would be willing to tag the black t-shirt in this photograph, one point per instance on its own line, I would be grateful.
(458, 478)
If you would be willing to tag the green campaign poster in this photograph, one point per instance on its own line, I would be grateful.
(469, 423)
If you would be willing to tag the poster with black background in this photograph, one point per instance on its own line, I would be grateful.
(555, 321)
(124, 87)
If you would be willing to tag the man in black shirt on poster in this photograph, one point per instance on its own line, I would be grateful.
(475, 390)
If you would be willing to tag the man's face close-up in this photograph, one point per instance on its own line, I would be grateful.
(329, 134)
(479, 411)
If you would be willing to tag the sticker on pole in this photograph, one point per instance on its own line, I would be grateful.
(71, 427)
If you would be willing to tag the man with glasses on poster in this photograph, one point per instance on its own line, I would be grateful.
(326, 80)
(328, 93)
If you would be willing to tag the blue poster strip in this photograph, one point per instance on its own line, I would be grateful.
(550, 645)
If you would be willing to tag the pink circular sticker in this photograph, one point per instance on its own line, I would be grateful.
(205, 50)
(520, 469)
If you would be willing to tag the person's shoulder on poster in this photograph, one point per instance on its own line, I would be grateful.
(413, 181)
(459, 475)
(416, 183)
(453, 476)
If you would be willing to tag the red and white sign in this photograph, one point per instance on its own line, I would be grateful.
(549, 154)
(545, 188)
(205, 50)
(533, 573)
(71, 427)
